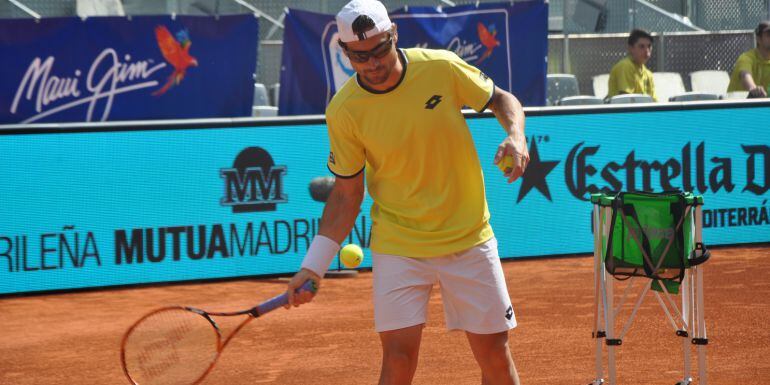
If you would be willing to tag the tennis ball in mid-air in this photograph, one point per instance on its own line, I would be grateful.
(351, 256)
(505, 163)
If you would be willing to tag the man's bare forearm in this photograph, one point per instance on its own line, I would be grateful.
(509, 113)
(340, 214)
(748, 81)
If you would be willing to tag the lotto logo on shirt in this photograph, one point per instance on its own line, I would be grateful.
(433, 102)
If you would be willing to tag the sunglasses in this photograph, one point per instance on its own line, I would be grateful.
(377, 52)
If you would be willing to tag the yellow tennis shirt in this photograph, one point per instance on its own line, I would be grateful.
(422, 169)
(753, 63)
(628, 77)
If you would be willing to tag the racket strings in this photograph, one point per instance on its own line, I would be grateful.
(174, 346)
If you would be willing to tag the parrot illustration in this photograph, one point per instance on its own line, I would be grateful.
(487, 37)
(176, 51)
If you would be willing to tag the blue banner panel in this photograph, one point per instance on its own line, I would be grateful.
(508, 41)
(115, 68)
(157, 204)
(113, 208)
(722, 154)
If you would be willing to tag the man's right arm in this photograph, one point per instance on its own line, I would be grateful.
(743, 67)
(339, 216)
(342, 207)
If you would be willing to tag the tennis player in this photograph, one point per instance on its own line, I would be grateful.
(399, 120)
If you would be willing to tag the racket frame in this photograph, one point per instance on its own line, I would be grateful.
(253, 312)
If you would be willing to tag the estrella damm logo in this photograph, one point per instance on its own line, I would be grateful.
(433, 102)
(254, 183)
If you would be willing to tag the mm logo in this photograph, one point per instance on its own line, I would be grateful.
(254, 183)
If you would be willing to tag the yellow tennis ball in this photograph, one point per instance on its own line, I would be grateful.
(505, 163)
(351, 256)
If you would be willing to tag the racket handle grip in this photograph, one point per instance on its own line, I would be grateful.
(282, 299)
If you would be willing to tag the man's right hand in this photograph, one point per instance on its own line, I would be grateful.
(758, 92)
(299, 279)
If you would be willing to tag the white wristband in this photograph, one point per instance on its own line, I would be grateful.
(320, 254)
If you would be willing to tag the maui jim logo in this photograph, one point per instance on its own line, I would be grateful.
(107, 77)
(469, 51)
(466, 50)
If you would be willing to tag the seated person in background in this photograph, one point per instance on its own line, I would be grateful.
(630, 75)
(752, 70)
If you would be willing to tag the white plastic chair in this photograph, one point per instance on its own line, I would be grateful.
(260, 95)
(601, 85)
(668, 84)
(711, 82)
(737, 95)
(694, 96)
(631, 98)
(560, 86)
(580, 100)
(264, 111)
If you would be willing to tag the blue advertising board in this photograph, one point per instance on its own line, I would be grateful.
(508, 41)
(117, 205)
(116, 68)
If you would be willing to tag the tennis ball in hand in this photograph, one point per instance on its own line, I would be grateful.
(351, 256)
(505, 163)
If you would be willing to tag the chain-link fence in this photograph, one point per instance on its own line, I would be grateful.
(580, 16)
(715, 15)
(615, 16)
(46, 8)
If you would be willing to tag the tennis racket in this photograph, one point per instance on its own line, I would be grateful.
(180, 344)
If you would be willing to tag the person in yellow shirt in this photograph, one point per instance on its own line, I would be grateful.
(398, 121)
(630, 75)
(752, 69)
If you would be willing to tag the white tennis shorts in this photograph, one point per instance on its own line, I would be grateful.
(473, 290)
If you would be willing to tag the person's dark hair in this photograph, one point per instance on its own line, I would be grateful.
(762, 27)
(637, 34)
(362, 24)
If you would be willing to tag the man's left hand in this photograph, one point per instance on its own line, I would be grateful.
(515, 146)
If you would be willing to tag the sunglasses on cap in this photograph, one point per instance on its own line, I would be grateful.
(378, 52)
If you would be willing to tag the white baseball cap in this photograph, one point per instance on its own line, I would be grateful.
(361, 14)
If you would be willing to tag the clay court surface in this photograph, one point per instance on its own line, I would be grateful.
(74, 338)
